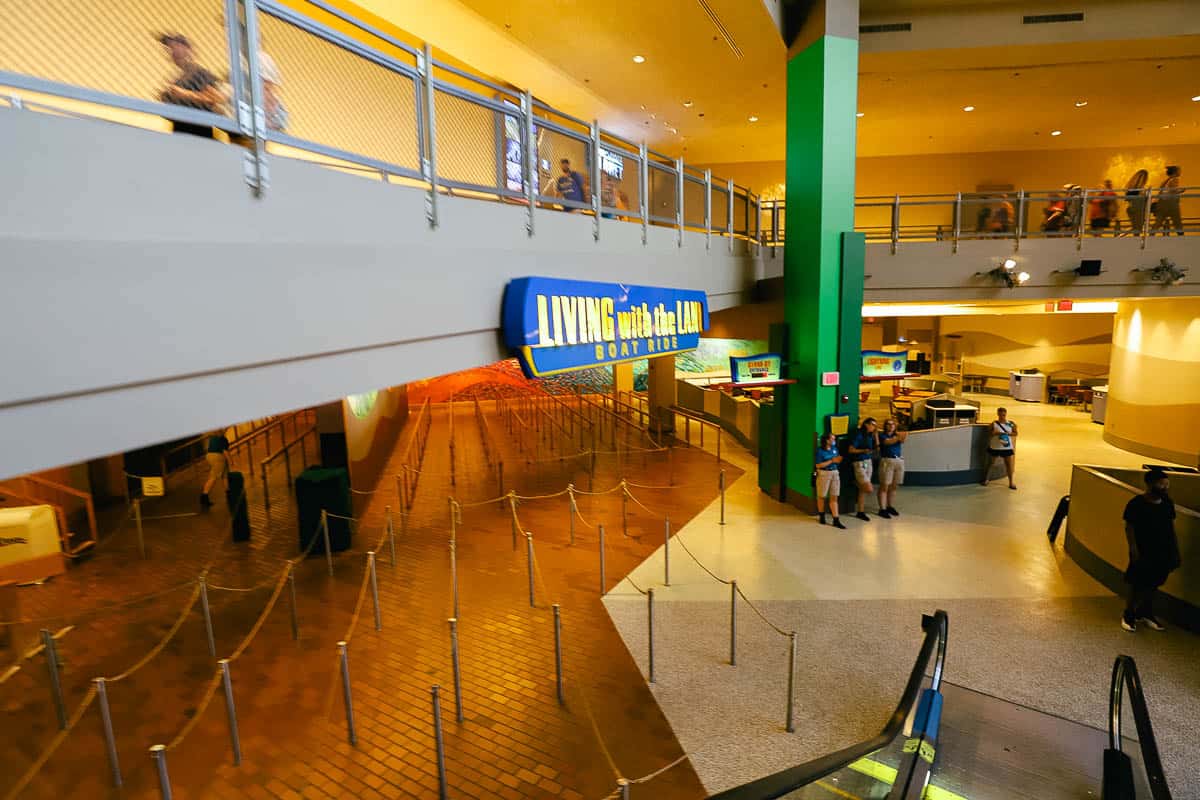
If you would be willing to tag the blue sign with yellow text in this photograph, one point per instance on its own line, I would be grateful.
(557, 326)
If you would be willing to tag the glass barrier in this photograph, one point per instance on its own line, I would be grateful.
(321, 85)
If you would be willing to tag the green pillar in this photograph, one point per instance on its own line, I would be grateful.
(823, 258)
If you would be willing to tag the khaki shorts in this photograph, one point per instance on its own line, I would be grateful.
(218, 465)
(829, 483)
(891, 471)
(863, 471)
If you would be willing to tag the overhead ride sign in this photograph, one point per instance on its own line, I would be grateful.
(557, 326)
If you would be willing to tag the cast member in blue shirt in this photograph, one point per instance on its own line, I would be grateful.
(862, 447)
(829, 483)
(891, 467)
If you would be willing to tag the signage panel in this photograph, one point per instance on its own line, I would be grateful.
(756, 368)
(556, 326)
(881, 364)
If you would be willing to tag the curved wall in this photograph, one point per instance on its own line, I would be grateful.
(1154, 379)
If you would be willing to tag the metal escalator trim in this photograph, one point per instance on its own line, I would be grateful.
(781, 783)
(839, 792)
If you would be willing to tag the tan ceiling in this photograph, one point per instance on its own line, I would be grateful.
(578, 56)
(687, 59)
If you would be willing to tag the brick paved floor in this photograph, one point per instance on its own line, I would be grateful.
(516, 740)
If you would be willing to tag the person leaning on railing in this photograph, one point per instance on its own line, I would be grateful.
(193, 87)
(1165, 208)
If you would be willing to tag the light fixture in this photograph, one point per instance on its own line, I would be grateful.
(1165, 272)
(1080, 103)
(1056, 133)
(687, 104)
(1196, 99)
(639, 59)
(753, 119)
(968, 108)
(860, 115)
(1004, 274)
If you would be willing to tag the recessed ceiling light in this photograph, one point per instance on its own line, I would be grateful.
(1010, 263)
(1056, 133)
(687, 103)
(1196, 99)
(638, 59)
(1080, 103)
(968, 108)
(860, 115)
(754, 119)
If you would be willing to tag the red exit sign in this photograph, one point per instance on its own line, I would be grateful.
(1061, 305)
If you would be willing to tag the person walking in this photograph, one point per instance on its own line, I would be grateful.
(194, 86)
(862, 448)
(1102, 209)
(570, 185)
(1002, 445)
(1153, 549)
(1167, 214)
(891, 467)
(1136, 201)
(217, 456)
(829, 482)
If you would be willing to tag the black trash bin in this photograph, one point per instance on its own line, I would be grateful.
(319, 489)
(235, 497)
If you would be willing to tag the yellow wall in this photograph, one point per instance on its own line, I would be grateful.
(1154, 382)
(1066, 346)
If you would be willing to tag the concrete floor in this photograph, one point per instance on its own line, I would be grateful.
(1026, 623)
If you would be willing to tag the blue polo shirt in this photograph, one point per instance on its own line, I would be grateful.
(863, 441)
(825, 455)
(889, 450)
(570, 186)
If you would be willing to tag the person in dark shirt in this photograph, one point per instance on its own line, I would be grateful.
(891, 467)
(862, 448)
(570, 184)
(217, 456)
(193, 87)
(1153, 549)
(829, 483)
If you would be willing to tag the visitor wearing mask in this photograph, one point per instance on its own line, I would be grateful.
(829, 482)
(862, 448)
(1153, 549)
(891, 467)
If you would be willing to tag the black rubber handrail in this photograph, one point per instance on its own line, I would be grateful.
(933, 648)
(1125, 674)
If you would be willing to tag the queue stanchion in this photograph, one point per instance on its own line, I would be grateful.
(439, 745)
(347, 696)
(456, 669)
(110, 740)
(603, 583)
(235, 740)
(50, 648)
(159, 753)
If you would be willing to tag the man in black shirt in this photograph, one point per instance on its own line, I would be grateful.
(193, 87)
(1153, 549)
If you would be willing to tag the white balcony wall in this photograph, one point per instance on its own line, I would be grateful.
(149, 295)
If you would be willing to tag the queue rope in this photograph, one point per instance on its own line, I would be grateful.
(55, 743)
(158, 648)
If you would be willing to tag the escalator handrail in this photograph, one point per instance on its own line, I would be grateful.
(933, 647)
(1125, 674)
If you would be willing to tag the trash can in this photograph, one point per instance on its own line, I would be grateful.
(235, 497)
(320, 489)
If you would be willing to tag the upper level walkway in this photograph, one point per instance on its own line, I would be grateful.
(325, 231)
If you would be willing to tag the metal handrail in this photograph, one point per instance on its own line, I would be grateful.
(366, 41)
(1125, 674)
(933, 648)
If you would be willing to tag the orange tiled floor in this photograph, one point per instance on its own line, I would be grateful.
(516, 740)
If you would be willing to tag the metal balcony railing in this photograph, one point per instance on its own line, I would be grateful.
(1079, 214)
(325, 87)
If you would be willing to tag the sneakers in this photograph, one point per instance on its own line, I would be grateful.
(863, 516)
(1128, 625)
(821, 518)
(892, 512)
(1152, 623)
(837, 523)
(205, 502)
(883, 512)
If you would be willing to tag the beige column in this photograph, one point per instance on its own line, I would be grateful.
(622, 378)
(660, 384)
